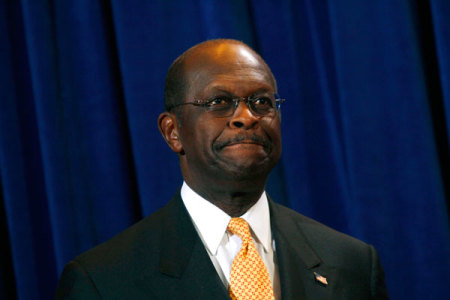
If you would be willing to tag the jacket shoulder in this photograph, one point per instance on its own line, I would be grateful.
(142, 236)
(354, 261)
(117, 265)
(328, 243)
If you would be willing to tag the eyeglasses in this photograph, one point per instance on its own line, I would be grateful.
(224, 106)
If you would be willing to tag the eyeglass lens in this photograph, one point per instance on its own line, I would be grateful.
(258, 106)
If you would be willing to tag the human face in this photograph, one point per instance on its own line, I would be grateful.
(241, 146)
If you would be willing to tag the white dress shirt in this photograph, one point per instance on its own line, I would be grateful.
(211, 225)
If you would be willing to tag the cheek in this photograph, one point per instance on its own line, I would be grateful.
(200, 137)
(273, 129)
(210, 129)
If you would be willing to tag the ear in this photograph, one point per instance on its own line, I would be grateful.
(168, 126)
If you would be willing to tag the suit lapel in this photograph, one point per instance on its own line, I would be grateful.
(297, 260)
(186, 271)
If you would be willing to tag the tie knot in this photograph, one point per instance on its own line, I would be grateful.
(240, 227)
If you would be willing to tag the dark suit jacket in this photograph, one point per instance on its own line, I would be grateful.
(162, 257)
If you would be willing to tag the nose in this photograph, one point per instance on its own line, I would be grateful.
(243, 117)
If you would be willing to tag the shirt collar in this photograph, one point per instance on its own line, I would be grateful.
(211, 222)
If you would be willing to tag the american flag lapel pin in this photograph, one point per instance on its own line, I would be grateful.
(320, 279)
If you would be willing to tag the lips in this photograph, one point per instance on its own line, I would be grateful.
(240, 139)
(245, 142)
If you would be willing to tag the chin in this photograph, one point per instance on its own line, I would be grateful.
(249, 171)
(245, 164)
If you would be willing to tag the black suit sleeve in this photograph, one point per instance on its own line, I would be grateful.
(75, 284)
(378, 285)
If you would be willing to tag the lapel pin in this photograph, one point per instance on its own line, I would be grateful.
(320, 279)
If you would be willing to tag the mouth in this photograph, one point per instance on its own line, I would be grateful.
(243, 140)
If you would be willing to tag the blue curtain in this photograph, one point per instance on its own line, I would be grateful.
(365, 127)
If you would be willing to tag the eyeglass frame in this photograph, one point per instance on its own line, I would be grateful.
(248, 100)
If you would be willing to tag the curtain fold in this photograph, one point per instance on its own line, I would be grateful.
(366, 124)
(440, 10)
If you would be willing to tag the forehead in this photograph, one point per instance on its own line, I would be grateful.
(227, 67)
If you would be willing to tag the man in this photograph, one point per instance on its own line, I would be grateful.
(221, 236)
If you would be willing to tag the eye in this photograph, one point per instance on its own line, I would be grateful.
(219, 101)
(263, 102)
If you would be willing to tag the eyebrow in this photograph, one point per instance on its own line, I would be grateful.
(262, 90)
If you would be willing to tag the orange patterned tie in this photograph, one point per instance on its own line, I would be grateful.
(249, 279)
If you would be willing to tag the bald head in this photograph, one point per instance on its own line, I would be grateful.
(210, 54)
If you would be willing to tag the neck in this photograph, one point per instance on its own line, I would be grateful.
(234, 202)
(232, 192)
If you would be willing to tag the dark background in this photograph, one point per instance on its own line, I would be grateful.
(365, 125)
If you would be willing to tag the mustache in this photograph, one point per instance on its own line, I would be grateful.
(219, 145)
